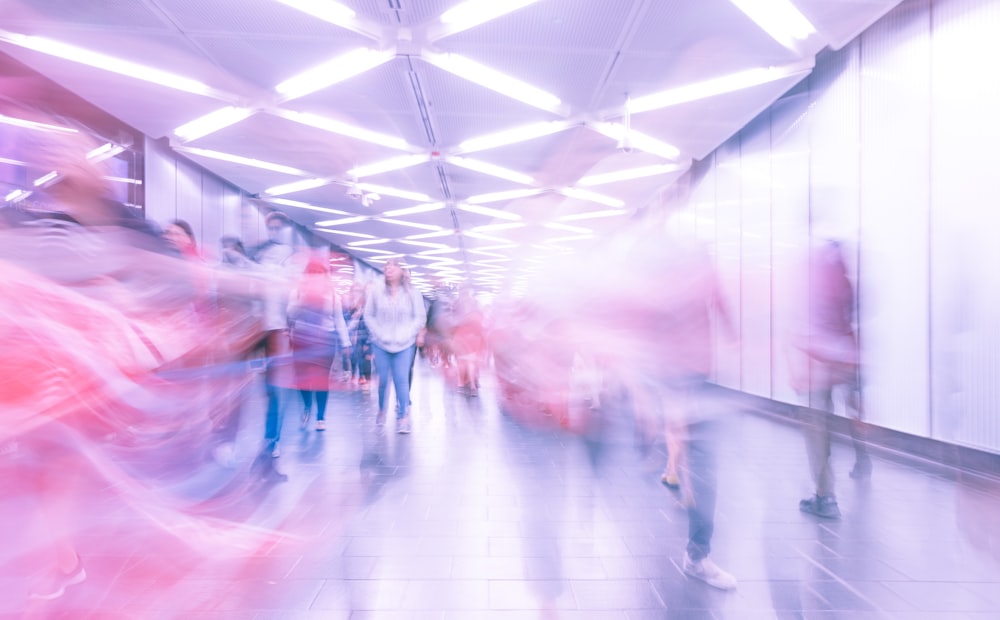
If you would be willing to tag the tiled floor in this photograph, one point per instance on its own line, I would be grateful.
(474, 516)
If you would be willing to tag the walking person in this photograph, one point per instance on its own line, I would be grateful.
(395, 315)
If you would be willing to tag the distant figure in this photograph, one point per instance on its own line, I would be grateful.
(830, 346)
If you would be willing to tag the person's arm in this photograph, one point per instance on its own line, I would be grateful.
(339, 323)
(419, 312)
(371, 318)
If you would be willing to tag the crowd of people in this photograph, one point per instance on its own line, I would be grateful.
(127, 339)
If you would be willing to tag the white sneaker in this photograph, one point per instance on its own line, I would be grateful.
(706, 570)
(403, 426)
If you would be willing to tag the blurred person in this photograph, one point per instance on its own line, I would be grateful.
(181, 236)
(315, 317)
(467, 341)
(96, 311)
(395, 315)
(828, 358)
(273, 258)
(361, 350)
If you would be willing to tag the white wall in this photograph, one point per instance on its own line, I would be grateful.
(887, 147)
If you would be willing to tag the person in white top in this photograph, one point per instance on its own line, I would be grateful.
(395, 315)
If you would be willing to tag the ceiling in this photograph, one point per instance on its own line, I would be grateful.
(404, 92)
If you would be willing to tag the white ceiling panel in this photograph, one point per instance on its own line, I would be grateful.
(589, 54)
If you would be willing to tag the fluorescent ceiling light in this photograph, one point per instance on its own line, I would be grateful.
(42, 180)
(594, 214)
(424, 244)
(717, 86)
(105, 151)
(245, 161)
(583, 194)
(344, 129)
(108, 63)
(392, 191)
(433, 206)
(327, 10)
(17, 194)
(577, 229)
(123, 180)
(474, 12)
(488, 211)
(382, 259)
(13, 162)
(494, 80)
(342, 221)
(211, 122)
(368, 242)
(20, 122)
(439, 251)
(305, 205)
(296, 186)
(500, 196)
(506, 226)
(631, 173)
(778, 18)
(648, 144)
(512, 136)
(345, 233)
(411, 224)
(396, 163)
(490, 169)
(333, 71)
(499, 259)
(372, 250)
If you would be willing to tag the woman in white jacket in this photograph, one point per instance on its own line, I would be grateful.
(395, 316)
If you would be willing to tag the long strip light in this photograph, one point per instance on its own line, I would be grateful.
(475, 12)
(639, 140)
(718, 86)
(212, 122)
(778, 18)
(477, 235)
(432, 227)
(494, 80)
(424, 244)
(569, 238)
(583, 194)
(388, 165)
(372, 250)
(296, 186)
(512, 136)
(576, 229)
(344, 129)
(343, 67)
(480, 210)
(369, 242)
(490, 227)
(501, 196)
(486, 249)
(593, 215)
(305, 205)
(327, 10)
(105, 151)
(432, 206)
(345, 233)
(628, 174)
(243, 161)
(108, 63)
(17, 195)
(42, 180)
(20, 122)
(490, 169)
(392, 191)
(344, 221)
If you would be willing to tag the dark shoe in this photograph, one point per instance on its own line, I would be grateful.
(55, 585)
(825, 507)
(670, 481)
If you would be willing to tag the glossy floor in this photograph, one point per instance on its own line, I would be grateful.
(476, 516)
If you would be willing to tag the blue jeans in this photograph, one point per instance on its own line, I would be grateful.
(394, 366)
(700, 446)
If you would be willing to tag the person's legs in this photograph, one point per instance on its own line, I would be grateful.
(817, 429)
(402, 365)
(321, 399)
(858, 429)
(272, 424)
(384, 371)
(700, 455)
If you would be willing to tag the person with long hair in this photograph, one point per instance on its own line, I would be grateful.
(315, 315)
(395, 316)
